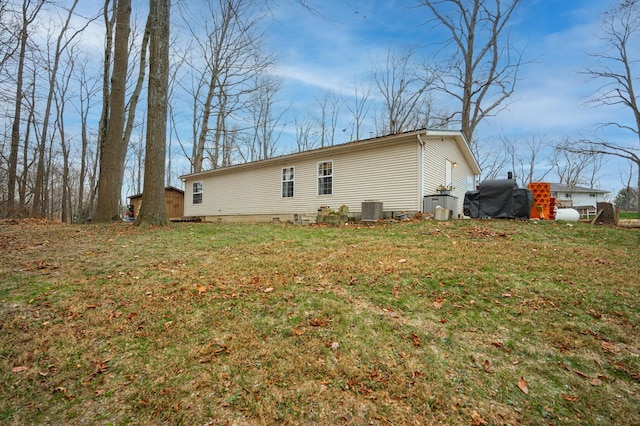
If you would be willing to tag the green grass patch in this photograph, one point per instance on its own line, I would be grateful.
(461, 322)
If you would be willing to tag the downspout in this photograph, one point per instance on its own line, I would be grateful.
(420, 174)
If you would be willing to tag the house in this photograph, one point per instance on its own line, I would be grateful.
(173, 201)
(398, 171)
(584, 200)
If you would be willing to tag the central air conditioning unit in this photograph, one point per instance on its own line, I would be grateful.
(371, 210)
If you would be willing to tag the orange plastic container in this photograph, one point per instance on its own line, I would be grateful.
(541, 200)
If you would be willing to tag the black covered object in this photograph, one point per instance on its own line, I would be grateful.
(499, 198)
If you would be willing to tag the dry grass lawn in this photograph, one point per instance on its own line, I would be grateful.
(422, 322)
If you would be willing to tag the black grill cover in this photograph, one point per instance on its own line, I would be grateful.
(498, 198)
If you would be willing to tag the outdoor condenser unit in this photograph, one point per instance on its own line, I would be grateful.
(371, 210)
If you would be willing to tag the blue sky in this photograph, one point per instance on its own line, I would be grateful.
(336, 46)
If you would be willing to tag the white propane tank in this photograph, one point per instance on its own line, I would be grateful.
(568, 215)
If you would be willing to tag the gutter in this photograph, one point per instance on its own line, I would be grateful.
(420, 172)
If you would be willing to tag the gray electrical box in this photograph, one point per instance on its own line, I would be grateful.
(371, 210)
(430, 202)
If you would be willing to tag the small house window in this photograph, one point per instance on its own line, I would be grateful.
(287, 182)
(197, 193)
(592, 195)
(325, 178)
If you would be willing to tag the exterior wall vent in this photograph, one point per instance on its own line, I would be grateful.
(371, 210)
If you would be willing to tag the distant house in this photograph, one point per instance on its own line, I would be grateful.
(577, 197)
(173, 200)
(396, 170)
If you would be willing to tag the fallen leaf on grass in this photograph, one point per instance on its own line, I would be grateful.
(523, 385)
(63, 390)
(580, 373)
(298, 331)
(595, 314)
(101, 367)
(477, 419)
(333, 345)
(595, 382)
(570, 398)
(415, 339)
(201, 289)
(268, 290)
(437, 303)
(610, 347)
(487, 366)
(19, 369)
(315, 322)
(501, 346)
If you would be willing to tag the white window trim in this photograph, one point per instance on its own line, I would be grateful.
(325, 176)
(193, 192)
(293, 180)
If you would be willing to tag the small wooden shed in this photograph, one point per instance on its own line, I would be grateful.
(173, 200)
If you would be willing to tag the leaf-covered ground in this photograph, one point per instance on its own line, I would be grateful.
(463, 322)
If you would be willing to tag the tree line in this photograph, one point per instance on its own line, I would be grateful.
(140, 92)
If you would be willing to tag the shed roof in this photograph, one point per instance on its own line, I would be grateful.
(166, 188)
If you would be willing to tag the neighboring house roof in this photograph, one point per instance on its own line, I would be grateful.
(166, 188)
(557, 187)
(455, 134)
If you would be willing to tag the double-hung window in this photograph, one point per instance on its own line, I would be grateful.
(325, 178)
(197, 193)
(287, 182)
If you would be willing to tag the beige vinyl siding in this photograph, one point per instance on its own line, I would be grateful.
(435, 155)
(387, 173)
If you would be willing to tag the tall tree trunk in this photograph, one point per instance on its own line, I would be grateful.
(115, 147)
(39, 206)
(153, 210)
(92, 184)
(26, 164)
(27, 19)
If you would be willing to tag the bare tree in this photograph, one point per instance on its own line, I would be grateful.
(616, 71)
(306, 137)
(227, 54)
(627, 197)
(61, 98)
(483, 68)
(63, 42)
(359, 109)
(153, 210)
(30, 10)
(526, 157)
(575, 164)
(114, 148)
(8, 35)
(330, 105)
(493, 162)
(265, 126)
(404, 92)
(87, 90)
(135, 163)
